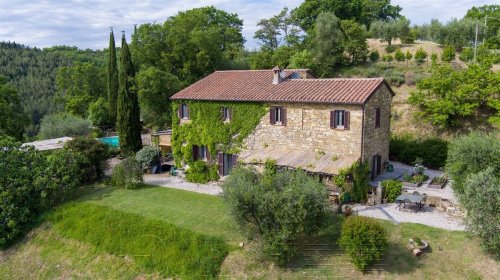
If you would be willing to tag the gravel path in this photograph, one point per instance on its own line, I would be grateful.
(168, 181)
(429, 217)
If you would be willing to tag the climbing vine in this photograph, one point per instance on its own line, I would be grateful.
(354, 180)
(205, 127)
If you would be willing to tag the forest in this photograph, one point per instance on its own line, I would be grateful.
(330, 37)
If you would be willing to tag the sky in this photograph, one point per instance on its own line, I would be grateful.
(85, 23)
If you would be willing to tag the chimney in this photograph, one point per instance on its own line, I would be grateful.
(278, 75)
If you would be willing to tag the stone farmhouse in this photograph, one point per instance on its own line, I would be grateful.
(319, 125)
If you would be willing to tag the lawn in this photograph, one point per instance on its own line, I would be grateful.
(53, 252)
(201, 213)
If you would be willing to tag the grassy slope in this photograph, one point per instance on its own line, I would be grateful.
(155, 245)
(199, 212)
(459, 258)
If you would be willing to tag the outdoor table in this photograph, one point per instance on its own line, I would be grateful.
(413, 198)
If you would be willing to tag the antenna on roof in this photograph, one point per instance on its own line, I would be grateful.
(123, 32)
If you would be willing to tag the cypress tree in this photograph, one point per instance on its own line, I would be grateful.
(112, 79)
(129, 127)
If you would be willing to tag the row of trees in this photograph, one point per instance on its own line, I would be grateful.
(320, 35)
(326, 35)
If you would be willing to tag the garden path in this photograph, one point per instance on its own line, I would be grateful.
(169, 181)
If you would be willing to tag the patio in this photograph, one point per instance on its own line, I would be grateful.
(400, 169)
(428, 216)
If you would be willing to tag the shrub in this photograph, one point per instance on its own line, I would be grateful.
(388, 58)
(390, 48)
(395, 79)
(481, 199)
(420, 55)
(280, 210)
(374, 56)
(202, 172)
(392, 188)
(157, 247)
(448, 54)
(63, 124)
(95, 155)
(363, 239)
(127, 174)
(148, 156)
(466, 55)
(471, 154)
(399, 55)
(62, 171)
(408, 55)
(434, 58)
(406, 148)
(31, 182)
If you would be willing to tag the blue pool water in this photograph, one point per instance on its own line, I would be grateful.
(112, 141)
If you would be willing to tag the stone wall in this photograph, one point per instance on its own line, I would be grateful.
(308, 128)
(376, 140)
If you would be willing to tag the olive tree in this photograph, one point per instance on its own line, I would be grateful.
(481, 199)
(278, 207)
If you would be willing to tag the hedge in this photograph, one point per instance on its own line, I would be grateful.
(406, 148)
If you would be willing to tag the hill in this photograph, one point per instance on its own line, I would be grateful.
(403, 77)
(32, 72)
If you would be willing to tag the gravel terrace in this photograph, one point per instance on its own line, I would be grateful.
(168, 181)
(429, 217)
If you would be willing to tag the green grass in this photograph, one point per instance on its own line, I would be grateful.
(155, 245)
(201, 213)
(47, 255)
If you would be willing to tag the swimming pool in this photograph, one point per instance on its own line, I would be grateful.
(112, 141)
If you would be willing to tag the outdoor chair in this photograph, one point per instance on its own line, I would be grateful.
(400, 204)
(405, 202)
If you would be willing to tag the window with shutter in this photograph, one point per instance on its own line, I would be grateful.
(220, 163)
(226, 114)
(283, 116)
(195, 152)
(184, 111)
(332, 119)
(272, 115)
(339, 119)
(347, 120)
(377, 117)
(278, 115)
(202, 152)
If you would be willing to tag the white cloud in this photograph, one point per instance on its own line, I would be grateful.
(85, 23)
(422, 11)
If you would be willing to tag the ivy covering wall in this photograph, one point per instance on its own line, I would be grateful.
(207, 128)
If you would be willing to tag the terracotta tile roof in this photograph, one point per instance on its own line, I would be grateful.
(257, 86)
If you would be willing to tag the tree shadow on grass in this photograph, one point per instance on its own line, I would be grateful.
(316, 251)
(398, 259)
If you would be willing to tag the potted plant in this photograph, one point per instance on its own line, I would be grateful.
(417, 243)
(438, 182)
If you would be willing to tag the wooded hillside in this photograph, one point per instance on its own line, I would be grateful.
(32, 72)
